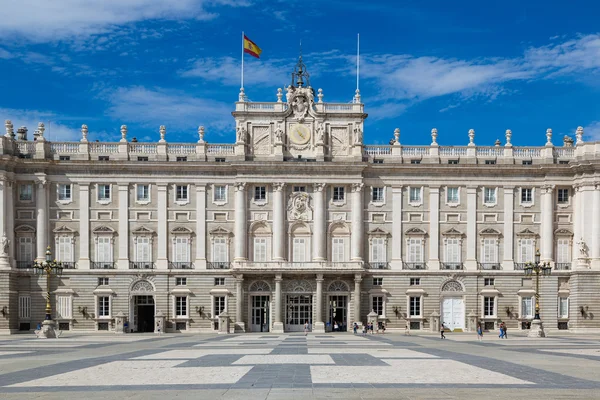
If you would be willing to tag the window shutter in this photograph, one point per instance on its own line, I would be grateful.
(337, 250)
(220, 250)
(377, 250)
(104, 250)
(143, 249)
(562, 251)
(24, 307)
(260, 249)
(299, 250)
(182, 253)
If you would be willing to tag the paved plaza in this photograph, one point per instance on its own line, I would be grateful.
(287, 366)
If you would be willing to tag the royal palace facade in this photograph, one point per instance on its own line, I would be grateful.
(298, 221)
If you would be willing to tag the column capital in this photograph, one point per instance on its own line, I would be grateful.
(472, 189)
(397, 188)
(162, 186)
(278, 278)
(320, 278)
(508, 189)
(42, 182)
(597, 185)
(240, 186)
(239, 278)
(319, 187)
(278, 186)
(200, 187)
(123, 186)
(547, 189)
(357, 187)
(358, 278)
(434, 188)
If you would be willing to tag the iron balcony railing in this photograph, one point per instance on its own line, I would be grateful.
(520, 266)
(452, 266)
(24, 264)
(141, 265)
(181, 265)
(102, 265)
(562, 266)
(218, 265)
(377, 265)
(414, 265)
(68, 264)
(489, 266)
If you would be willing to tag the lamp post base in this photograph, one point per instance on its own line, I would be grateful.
(48, 330)
(537, 329)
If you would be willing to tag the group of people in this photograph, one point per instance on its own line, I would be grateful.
(369, 327)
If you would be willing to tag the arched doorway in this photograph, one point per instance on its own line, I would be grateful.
(337, 313)
(141, 306)
(453, 305)
(260, 306)
(298, 305)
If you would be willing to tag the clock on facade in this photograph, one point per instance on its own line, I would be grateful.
(299, 134)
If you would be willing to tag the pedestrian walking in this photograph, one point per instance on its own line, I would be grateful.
(442, 328)
(501, 335)
(407, 329)
(355, 328)
(479, 332)
(306, 328)
(364, 331)
(505, 334)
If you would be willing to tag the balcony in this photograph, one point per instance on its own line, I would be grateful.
(24, 264)
(377, 265)
(102, 265)
(562, 266)
(141, 265)
(301, 266)
(489, 266)
(414, 265)
(218, 265)
(68, 264)
(181, 265)
(452, 266)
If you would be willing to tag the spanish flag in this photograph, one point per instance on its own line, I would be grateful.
(251, 48)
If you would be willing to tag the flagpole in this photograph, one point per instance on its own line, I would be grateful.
(357, 59)
(242, 86)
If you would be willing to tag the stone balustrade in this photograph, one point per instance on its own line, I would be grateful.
(297, 266)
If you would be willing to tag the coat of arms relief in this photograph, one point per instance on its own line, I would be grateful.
(299, 207)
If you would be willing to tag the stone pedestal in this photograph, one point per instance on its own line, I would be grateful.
(537, 329)
(223, 323)
(373, 318)
(582, 264)
(48, 330)
(240, 327)
(120, 326)
(319, 327)
(4, 263)
(434, 323)
(471, 322)
(277, 327)
(159, 323)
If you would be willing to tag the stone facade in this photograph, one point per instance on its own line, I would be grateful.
(298, 221)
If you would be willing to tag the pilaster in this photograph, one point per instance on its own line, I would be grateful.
(84, 226)
(162, 261)
(595, 245)
(123, 260)
(357, 235)
(434, 228)
(278, 222)
(41, 219)
(10, 219)
(357, 316)
(4, 260)
(200, 262)
(471, 261)
(240, 222)
(508, 263)
(577, 235)
(319, 325)
(396, 244)
(278, 323)
(547, 231)
(239, 304)
(319, 221)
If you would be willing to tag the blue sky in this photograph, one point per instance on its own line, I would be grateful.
(448, 65)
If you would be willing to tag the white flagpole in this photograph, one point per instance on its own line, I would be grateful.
(242, 86)
(357, 59)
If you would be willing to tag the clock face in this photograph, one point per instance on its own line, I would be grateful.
(299, 134)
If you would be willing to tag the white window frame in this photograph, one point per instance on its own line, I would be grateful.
(522, 312)
(213, 303)
(61, 190)
(563, 203)
(453, 203)
(185, 242)
(21, 186)
(218, 241)
(64, 306)
(339, 201)
(220, 202)
(452, 241)
(381, 200)
(181, 202)
(383, 298)
(219, 281)
(485, 201)
(143, 240)
(110, 243)
(415, 203)
(24, 307)
(305, 240)
(29, 240)
(177, 315)
(338, 249)
(260, 245)
(568, 301)
(260, 202)
(561, 243)
(527, 246)
(410, 242)
(98, 296)
(483, 308)
(68, 241)
(375, 242)
(100, 187)
(409, 306)
(529, 203)
(180, 281)
(484, 242)
(137, 197)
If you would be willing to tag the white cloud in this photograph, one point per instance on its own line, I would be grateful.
(571, 56)
(46, 21)
(176, 110)
(56, 130)
(591, 132)
(5, 54)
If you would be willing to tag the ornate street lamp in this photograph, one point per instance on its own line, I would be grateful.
(49, 267)
(538, 268)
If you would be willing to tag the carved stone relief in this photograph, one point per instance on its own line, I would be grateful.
(261, 140)
(339, 141)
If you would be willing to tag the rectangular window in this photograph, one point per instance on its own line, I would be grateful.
(299, 188)
(260, 193)
(182, 249)
(63, 307)
(219, 159)
(488, 281)
(489, 251)
(103, 192)
(415, 161)
(143, 249)
(415, 306)
(143, 193)
(102, 281)
(103, 306)
(65, 249)
(526, 250)
(220, 253)
(142, 158)
(181, 193)
(415, 250)
(64, 191)
(563, 307)
(337, 249)
(452, 195)
(103, 158)
(26, 192)
(377, 194)
(490, 162)
(299, 250)
(24, 307)
(415, 195)
(219, 306)
(181, 159)
(64, 158)
(220, 193)
(488, 306)
(219, 281)
(377, 281)
(453, 162)
(377, 161)
(563, 251)
(338, 193)
(563, 196)
(104, 253)
(527, 307)
(489, 195)
(25, 249)
(527, 162)
(180, 281)
(526, 195)
(377, 305)
(415, 281)
(181, 306)
(378, 250)
(452, 250)
(260, 249)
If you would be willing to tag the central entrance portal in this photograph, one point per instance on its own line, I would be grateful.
(338, 314)
(143, 313)
(453, 313)
(260, 314)
(298, 310)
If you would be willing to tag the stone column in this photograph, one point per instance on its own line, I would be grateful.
(319, 221)
(319, 326)
(586, 213)
(471, 261)
(357, 317)
(42, 220)
(84, 226)
(278, 222)
(508, 263)
(240, 222)
(200, 262)
(595, 245)
(4, 261)
(577, 233)
(123, 262)
(357, 235)
(434, 228)
(10, 219)
(547, 233)
(396, 241)
(239, 304)
(278, 323)
(162, 259)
